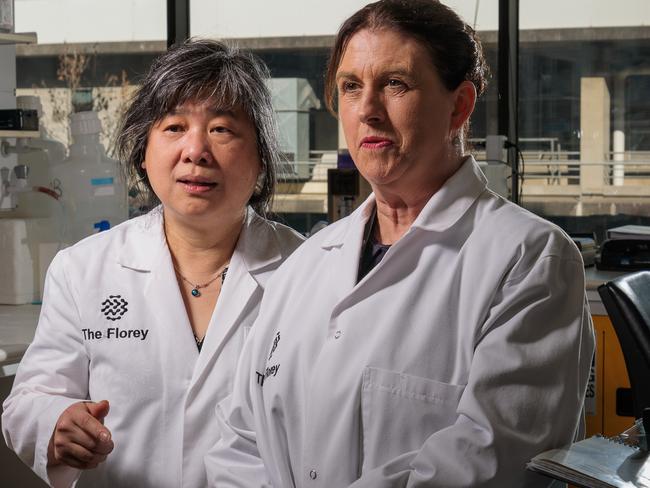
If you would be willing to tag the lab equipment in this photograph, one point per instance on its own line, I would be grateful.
(627, 302)
(39, 154)
(30, 234)
(587, 247)
(624, 255)
(629, 232)
(12, 182)
(24, 243)
(18, 119)
(346, 188)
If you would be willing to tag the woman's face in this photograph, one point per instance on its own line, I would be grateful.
(203, 164)
(397, 116)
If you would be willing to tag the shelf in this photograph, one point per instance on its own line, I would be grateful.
(15, 38)
(19, 133)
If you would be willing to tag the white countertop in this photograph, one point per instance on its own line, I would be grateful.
(595, 277)
(17, 327)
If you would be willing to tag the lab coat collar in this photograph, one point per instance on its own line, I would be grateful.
(456, 196)
(339, 234)
(141, 249)
(258, 244)
(442, 210)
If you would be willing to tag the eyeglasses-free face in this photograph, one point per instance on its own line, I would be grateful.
(203, 163)
(398, 118)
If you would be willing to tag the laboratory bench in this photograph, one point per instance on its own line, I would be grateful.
(17, 327)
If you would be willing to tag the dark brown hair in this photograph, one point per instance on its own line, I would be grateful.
(455, 50)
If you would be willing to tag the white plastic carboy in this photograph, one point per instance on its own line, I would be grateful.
(93, 191)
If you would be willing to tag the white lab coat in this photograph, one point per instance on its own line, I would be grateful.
(465, 352)
(162, 392)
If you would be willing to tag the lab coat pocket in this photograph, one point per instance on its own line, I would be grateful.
(400, 411)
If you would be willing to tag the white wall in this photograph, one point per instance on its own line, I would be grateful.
(58, 21)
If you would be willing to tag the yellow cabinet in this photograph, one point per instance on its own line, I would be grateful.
(611, 375)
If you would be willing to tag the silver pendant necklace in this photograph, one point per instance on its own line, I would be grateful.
(198, 286)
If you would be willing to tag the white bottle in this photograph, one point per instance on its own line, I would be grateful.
(93, 191)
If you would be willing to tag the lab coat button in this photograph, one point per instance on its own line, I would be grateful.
(337, 334)
(313, 474)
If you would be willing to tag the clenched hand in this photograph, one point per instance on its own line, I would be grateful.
(80, 439)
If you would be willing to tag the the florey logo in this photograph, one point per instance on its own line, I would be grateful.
(114, 307)
(275, 344)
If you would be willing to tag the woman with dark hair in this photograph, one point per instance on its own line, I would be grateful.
(148, 319)
(437, 337)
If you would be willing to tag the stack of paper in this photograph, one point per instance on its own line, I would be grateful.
(597, 462)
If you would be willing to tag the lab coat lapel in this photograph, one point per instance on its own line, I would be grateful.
(178, 348)
(347, 242)
(236, 293)
(147, 251)
(252, 263)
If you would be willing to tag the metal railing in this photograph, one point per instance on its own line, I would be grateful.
(314, 169)
(563, 168)
(551, 166)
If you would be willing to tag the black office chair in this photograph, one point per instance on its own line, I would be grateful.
(627, 301)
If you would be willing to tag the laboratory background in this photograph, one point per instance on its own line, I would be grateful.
(563, 130)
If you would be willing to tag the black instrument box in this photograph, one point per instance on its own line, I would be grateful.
(18, 119)
(624, 255)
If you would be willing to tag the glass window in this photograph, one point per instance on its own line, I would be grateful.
(89, 55)
(584, 114)
(584, 109)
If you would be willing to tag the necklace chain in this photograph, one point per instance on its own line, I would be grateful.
(198, 286)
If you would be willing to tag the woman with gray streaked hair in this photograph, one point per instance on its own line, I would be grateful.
(149, 318)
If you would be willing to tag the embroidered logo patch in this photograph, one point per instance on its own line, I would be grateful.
(275, 344)
(114, 307)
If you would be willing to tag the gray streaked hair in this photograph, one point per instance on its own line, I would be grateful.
(201, 70)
